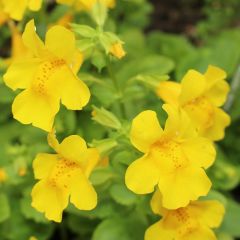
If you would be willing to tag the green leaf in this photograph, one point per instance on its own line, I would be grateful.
(215, 195)
(104, 146)
(104, 209)
(66, 121)
(198, 60)
(149, 65)
(84, 30)
(122, 195)
(104, 94)
(6, 94)
(99, 60)
(81, 225)
(85, 44)
(173, 46)
(111, 229)
(99, 13)
(152, 81)
(224, 236)
(224, 175)
(4, 207)
(106, 118)
(231, 221)
(17, 227)
(29, 212)
(101, 175)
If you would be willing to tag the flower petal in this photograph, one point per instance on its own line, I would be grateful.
(14, 12)
(60, 48)
(43, 165)
(92, 157)
(200, 233)
(35, 5)
(77, 62)
(182, 186)
(193, 86)
(213, 75)
(83, 195)
(74, 93)
(217, 130)
(142, 176)
(209, 213)
(145, 130)
(52, 140)
(218, 93)
(159, 232)
(156, 203)
(72, 148)
(200, 151)
(50, 200)
(28, 108)
(20, 74)
(169, 92)
(178, 123)
(201, 112)
(31, 39)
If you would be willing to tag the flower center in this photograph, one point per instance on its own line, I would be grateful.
(62, 173)
(181, 215)
(43, 75)
(169, 155)
(180, 220)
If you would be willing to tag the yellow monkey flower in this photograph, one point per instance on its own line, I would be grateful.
(194, 221)
(3, 16)
(15, 8)
(201, 95)
(18, 49)
(87, 4)
(117, 50)
(47, 77)
(3, 175)
(174, 158)
(64, 175)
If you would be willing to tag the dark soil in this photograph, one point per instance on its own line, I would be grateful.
(176, 16)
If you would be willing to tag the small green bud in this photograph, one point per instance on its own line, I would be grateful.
(84, 30)
(105, 118)
(99, 13)
(104, 146)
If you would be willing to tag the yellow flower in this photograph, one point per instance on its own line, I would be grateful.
(194, 222)
(104, 162)
(174, 158)
(87, 4)
(22, 171)
(117, 50)
(3, 16)
(201, 95)
(33, 238)
(47, 76)
(65, 20)
(3, 175)
(15, 8)
(18, 49)
(64, 175)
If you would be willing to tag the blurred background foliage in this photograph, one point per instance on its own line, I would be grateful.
(162, 37)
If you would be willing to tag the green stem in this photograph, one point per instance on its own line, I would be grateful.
(63, 232)
(118, 89)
